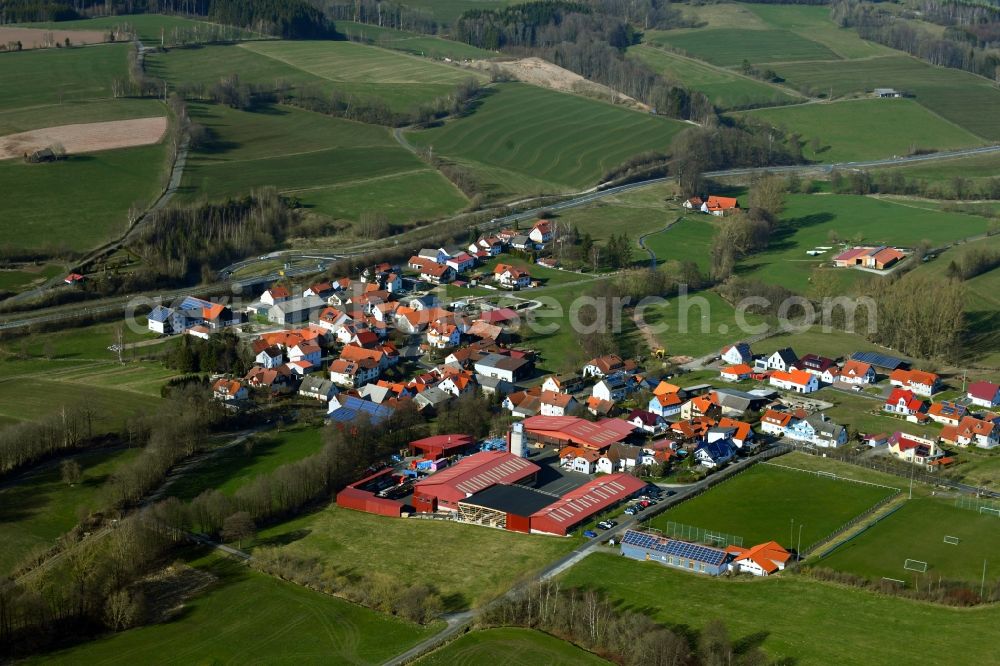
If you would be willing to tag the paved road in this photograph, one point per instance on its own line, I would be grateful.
(20, 320)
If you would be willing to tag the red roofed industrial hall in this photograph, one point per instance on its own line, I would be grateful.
(566, 430)
(439, 446)
(445, 489)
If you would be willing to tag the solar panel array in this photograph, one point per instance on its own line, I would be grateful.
(877, 359)
(691, 551)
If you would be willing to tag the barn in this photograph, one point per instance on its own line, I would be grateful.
(573, 431)
(673, 553)
(581, 504)
(504, 506)
(363, 495)
(445, 489)
(440, 446)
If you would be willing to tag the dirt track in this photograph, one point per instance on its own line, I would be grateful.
(86, 138)
(35, 38)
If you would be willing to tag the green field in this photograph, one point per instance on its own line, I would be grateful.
(698, 324)
(54, 76)
(519, 647)
(794, 619)
(724, 89)
(488, 561)
(762, 503)
(917, 531)
(404, 197)
(554, 137)
(972, 167)
(94, 111)
(20, 279)
(412, 42)
(37, 508)
(446, 11)
(401, 80)
(965, 99)
(867, 129)
(731, 46)
(335, 167)
(93, 193)
(635, 212)
(248, 617)
(234, 467)
(813, 22)
(689, 239)
(811, 220)
(37, 398)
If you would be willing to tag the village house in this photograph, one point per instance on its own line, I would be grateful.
(437, 273)
(783, 360)
(267, 355)
(947, 413)
(295, 310)
(648, 422)
(984, 394)
(715, 454)
(740, 432)
(579, 459)
(320, 290)
(352, 374)
(857, 373)
(736, 373)
(614, 387)
(277, 380)
(511, 277)
(738, 354)
(775, 423)
(971, 431)
(798, 381)
(665, 405)
(720, 206)
(438, 256)
(818, 430)
(461, 262)
(541, 233)
(441, 335)
(761, 560)
(563, 383)
(918, 381)
(228, 390)
(274, 295)
(317, 388)
(603, 366)
(815, 365)
(553, 403)
(905, 403)
(913, 449)
(618, 458)
(503, 367)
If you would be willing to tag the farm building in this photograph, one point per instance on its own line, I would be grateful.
(571, 430)
(578, 506)
(440, 446)
(881, 361)
(879, 258)
(673, 553)
(504, 506)
(444, 490)
(363, 495)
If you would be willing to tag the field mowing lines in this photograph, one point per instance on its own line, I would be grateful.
(359, 181)
(280, 156)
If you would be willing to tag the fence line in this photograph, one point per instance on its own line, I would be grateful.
(830, 474)
(852, 522)
(860, 532)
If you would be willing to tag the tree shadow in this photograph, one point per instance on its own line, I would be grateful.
(284, 539)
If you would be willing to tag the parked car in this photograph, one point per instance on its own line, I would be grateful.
(590, 534)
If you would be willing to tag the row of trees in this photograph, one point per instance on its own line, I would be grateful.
(69, 428)
(926, 588)
(884, 27)
(973, 262)
(627, 637)
(893, 181)
(222, 353)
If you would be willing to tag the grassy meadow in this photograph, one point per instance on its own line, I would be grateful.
(148, 26)
(761, 503)
(245, 616)
(232, 468)
(487, 561)
(60, 76)
(867, 129)
(731, 46)
(917, 531)
(964, 99)
(725, 89)
(554, 137)
(335, 167)
(793, 619)
(70, 113)
(519, 647)
(398, 79)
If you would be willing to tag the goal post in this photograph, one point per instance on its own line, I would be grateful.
(915, 565)
(829, 475)
(952, 540)
(989, 510)
(893, 580)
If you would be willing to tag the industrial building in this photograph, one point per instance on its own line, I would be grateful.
(440, 446)
(445, 489)
(578, 506)
(573, 431)
(504, 506)
(675, 554)
(363, 495)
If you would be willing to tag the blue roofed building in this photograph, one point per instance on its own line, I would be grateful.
(715, 453)
(675, 554)
(346, 409)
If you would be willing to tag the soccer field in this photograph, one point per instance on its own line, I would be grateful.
(916, 532)
(771, 503)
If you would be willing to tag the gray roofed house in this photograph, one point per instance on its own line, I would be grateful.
(375, 393)
(827, 433)
(503, 367)
(521, 242)
(295, 310)
(432, 397)
(494, 385)
(318, 388)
